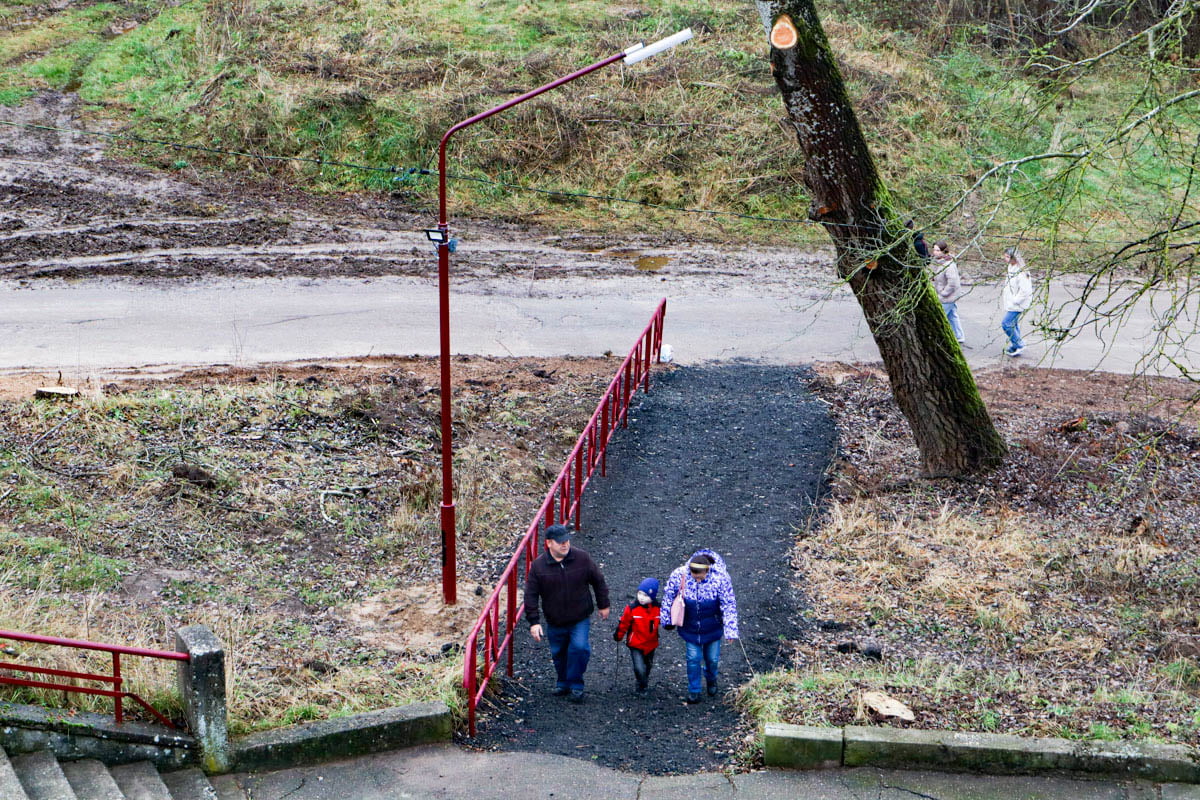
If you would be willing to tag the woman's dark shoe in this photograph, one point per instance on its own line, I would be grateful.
(693, 698)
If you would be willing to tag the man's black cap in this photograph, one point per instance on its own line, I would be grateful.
(559, 533)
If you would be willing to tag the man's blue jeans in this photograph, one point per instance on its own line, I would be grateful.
(1009, 325)
(951, 310)
(706, 655)
(571, 649)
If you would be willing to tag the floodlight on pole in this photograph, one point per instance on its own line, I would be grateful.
(440, 236)
(640, 52)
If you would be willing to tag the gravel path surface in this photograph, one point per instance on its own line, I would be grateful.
(729, 457)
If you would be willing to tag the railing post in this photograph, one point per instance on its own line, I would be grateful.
(472, 677)
(512, 611)
(578, 482)
(118, 685)
(625, 396)
(662, 320)
(202, 687)
(646, 364)
(604, 436)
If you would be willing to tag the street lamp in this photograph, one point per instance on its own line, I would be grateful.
(440, 236)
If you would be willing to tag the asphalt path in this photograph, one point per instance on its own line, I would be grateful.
(449, 773)
(737, 477)
(97, 325)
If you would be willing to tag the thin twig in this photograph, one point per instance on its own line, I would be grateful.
(52, 431)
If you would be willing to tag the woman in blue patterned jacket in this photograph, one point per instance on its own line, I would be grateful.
(710, 614)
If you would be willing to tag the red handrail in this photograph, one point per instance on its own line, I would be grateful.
(561, 505)
(115, 679)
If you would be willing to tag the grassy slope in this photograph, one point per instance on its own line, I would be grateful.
(378, 81)
(267, 557)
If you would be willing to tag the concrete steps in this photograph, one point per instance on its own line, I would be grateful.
(40, 776)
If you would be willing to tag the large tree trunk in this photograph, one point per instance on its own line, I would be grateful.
(930, 378)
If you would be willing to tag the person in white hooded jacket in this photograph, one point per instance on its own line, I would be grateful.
(1017, 297)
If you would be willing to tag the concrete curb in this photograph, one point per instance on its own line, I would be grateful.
(806, 747)
(300, 745)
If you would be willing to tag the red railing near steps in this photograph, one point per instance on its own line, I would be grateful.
(560, 506)
(115, 680)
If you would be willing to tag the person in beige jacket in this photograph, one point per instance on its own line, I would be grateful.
(948, 284)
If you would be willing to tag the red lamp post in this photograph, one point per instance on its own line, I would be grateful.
(441, 237)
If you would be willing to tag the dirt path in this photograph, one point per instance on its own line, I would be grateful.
(728, 457)
(70, 212)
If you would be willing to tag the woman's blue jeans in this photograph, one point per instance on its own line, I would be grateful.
(951, 310)
(571, 649)
(702, 656)
(1009, 325)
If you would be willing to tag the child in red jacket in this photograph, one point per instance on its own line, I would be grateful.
(640, 621)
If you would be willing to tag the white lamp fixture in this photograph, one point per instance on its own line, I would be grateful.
(640, 52)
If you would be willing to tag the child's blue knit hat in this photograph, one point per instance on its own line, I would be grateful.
(650, 587)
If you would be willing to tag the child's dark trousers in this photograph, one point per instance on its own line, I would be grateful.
(642, 663)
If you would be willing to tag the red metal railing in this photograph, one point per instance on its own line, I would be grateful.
(560, 506)
(115, 680)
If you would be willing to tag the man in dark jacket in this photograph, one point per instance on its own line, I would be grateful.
(559, 579)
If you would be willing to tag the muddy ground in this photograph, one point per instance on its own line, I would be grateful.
(67, 211)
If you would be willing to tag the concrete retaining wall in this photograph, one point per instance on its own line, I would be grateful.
(805, 747)
(391, 728)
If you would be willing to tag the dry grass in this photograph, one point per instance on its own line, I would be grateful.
(319, 489)
(1048, 599)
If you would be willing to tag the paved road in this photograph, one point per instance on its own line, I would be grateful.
(94, 325)
(448, 772)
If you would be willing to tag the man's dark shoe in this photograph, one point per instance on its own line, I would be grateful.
(576, 696)
(712, 690)
(693, 698)
(559, 691)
